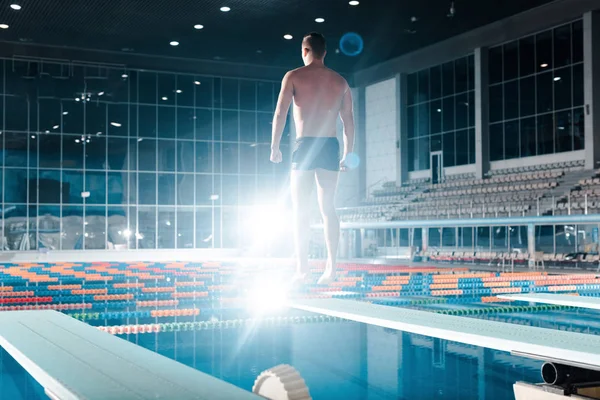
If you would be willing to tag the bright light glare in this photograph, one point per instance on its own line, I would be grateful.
(127, 233)
(267, 295)
(265, 223)
(15, 7)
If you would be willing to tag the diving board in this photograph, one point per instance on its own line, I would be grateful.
(73, 360)
(569, 347)
(559, 299)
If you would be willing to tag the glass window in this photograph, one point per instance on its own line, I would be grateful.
(527, 56)
(166, 194)
(146, 228)
(511, 100)
(448, 79)
(147, 155)
(496, 142)
(95, 184)
(117, 152)
(95, 152)
(230, 125)
(166, 228)
(423, 86)
(562, 88)
(147, 121)
(411, 117)
(511, 139)
(146, 188)
(230, 158)
(185, 189)
(166, 155)
(248, 127)
(204, 124)
(247, 95)
(166, 122)
(412, 89)
(495, 64)
(545, 134)
(577, 41)
(551, 80)
(544, 92)
(448, 114)
(230, 93)
(528, 140)
(435, 110)
(462, 147)
(527, 96)
(186, 118)
(563, 134)
(511, 60)
(578, 128)
(562, 46)
(448, 149)
(435, 76)
(543, 51)
(185, 229)
(496, 103)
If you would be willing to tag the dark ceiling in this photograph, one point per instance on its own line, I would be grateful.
(252, 32)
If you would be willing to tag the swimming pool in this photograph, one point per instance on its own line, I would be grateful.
(196, 314)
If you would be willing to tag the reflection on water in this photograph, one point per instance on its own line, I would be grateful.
(15, 382)
(348, 360)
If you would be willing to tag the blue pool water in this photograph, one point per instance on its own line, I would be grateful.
(347, 360)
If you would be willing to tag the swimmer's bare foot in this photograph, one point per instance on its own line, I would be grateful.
(328, 276)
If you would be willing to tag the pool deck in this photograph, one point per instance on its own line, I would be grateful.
(73, 360)
(547, 344)
(559, 299)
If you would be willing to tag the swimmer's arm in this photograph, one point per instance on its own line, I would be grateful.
(347, 116)
(281, 111)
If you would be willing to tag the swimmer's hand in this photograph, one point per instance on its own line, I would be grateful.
(276, 156)
(343, 166)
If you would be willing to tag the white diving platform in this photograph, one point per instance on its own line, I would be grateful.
(559, 299)
(569, 348)
(73, 360)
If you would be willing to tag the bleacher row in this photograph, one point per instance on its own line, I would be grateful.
(477, 257)
(508, 192)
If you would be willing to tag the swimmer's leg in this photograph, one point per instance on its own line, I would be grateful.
(302, 183)
(326, 188)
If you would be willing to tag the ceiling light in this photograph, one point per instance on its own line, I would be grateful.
(165, 98)
(33, 136)
(178, 91)
(100, 93)
(77, 99)
(288, 36)
(15, 7)
(124, 76)
(116, 124)
(439, 110)
(56, 127)
(556, 78)
(320, 20)
(353, 2)
(140, 139)
(198, 26)
(47, 131)
(3, 26)
(99, 133)
(65, 113)
(225, 9)
(76, 140)
(197, 82)
(544, 65)
(174, 43)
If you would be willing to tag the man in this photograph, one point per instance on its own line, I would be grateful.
(319, 96)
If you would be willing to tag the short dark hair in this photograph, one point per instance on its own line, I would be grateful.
(317, 43)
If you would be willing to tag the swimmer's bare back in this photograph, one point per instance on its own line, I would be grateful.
(318, 97)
